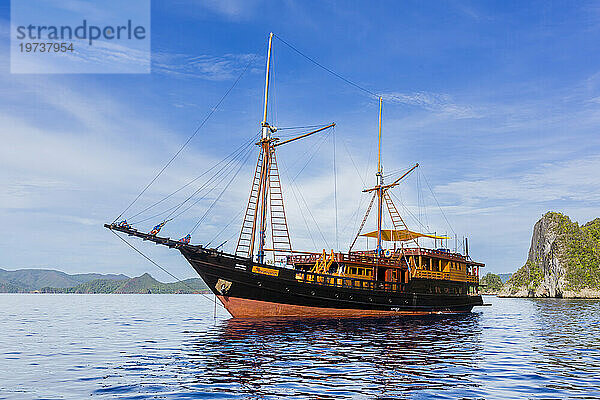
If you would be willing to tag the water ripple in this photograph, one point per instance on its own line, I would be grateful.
(171, 347)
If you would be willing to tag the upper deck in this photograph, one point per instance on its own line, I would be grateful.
(403, 264)
(394, 259)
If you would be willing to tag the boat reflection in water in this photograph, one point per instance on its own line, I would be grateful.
(338, 358)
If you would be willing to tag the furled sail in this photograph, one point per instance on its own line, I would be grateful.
(400, 235)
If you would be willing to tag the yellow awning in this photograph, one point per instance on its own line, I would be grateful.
(400, 235)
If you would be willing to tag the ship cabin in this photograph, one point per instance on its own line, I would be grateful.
(431, 270)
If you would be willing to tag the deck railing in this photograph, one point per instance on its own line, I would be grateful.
(449, 276)
(353, 258)
(370, 257)
(346, 282)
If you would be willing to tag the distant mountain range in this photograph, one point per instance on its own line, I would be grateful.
(52, 281)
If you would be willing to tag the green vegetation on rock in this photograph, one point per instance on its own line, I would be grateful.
(564, 260)
(529, 274)
(492, 283)
(583, 255)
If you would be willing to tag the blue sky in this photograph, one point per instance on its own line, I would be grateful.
(498, 101)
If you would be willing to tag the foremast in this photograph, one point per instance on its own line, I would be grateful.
(266, 185)
(265, 143)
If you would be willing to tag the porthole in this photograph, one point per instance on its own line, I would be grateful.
(312, 292)
(259, 283)
(390, 300)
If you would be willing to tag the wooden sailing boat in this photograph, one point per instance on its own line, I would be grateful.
(407, 280)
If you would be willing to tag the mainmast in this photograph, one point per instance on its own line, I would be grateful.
(380, 191)
(379, 185)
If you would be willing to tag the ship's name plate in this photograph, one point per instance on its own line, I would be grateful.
(265, 271)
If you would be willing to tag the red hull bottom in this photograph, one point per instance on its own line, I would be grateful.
(245, 308)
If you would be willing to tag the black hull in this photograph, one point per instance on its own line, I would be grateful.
(253, 294)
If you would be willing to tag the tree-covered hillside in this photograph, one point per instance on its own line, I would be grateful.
(52, 281)
(144, 284)
(28, 280)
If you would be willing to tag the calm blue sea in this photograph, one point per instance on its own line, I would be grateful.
(172, 347)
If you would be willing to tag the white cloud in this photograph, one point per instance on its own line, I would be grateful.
(437, 102)
(574, 180)
(229, 9)
(213, 68)
(60, 182)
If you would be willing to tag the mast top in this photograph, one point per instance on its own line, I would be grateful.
(379, 171)
(266, 129)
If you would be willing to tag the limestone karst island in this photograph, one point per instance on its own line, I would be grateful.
(563, 261)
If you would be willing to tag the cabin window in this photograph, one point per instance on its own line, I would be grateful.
(353, 271)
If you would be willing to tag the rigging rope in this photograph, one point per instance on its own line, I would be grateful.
(197, 200)
(174, 208)
(354, 218)
(348, 81)
(438, 204)
(211, 112)
(241, 147)
(163, 269)
(354, 164)
(396, 172)
(302, 215)
(337, 243)
(293, 180)
(235, 217)
(425, 228)
(220, 194)
(302, 196)
(301, 127)
(247, 149)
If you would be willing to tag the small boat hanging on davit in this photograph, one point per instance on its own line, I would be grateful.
(397, 277)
